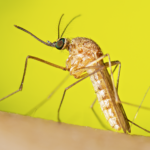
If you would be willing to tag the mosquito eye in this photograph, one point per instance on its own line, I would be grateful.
(60, 43)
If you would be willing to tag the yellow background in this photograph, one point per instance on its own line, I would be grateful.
(121, 28)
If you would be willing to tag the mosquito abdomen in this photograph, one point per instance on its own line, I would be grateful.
(105, 100)
(83, 51)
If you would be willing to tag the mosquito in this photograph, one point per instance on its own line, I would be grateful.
(86, 60)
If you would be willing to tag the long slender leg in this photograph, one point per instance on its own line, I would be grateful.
(116, 97)
(98, 118)
(140, 106)
(33, 110)
(85, 68)
(38, 59)
(93, 103)
(112, 78)
(134, 105)
(106, 65)
(138, 126)
(116, 63)
(100, 68)
(118, 76)
(111, 73)
(115, 91)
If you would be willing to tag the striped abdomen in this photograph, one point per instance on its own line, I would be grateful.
(105, 99)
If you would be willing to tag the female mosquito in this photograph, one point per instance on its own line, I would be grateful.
(86, 60)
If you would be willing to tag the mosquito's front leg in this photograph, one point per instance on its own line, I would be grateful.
(26, 62)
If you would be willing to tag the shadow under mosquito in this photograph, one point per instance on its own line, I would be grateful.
(33, 110)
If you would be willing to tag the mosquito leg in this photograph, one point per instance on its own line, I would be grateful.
(138, 126)
(100, 68)
(111, 73)
(116, 63)
(140, 106)
(33, 110)
(98, 118)
(118, 75)
(94, 103)
(115, 91)
(134, 105)
(138, 111)
(82, 78)
(38, 59)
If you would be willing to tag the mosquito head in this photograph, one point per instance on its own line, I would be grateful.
(60, 44)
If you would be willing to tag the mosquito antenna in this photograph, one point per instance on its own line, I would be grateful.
(59, 24)
(68, 25)
(48, 44)
(138, 126)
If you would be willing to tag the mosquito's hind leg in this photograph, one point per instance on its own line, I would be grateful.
(35, 58)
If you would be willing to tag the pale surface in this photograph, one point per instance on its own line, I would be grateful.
(26, 133)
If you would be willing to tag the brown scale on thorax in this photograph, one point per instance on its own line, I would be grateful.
(82, 51)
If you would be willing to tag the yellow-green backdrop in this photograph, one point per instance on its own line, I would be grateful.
(121, 28)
